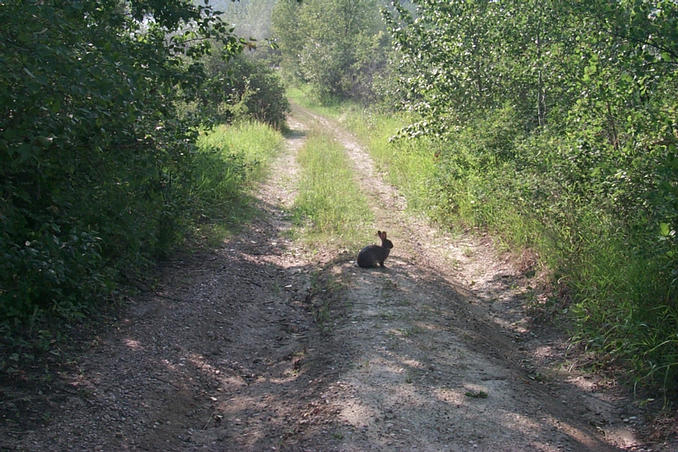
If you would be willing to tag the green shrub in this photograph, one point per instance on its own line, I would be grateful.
(99, 166)
(243, 88)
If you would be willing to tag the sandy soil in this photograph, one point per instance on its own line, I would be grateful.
(260, 344)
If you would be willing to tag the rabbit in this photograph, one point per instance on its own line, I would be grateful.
(372, 255)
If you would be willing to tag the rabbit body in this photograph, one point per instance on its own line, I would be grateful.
(374, 255)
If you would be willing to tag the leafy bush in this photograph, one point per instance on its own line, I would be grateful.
(562, 138)
(243, 88)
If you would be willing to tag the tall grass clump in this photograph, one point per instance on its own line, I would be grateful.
(229, 160)
(410, 164)
(330, 206)
(252, 143)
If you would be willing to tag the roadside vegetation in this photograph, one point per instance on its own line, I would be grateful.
(230, 160)
(110, 158)
(563, 139)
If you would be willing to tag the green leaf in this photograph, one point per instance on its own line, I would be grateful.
(664, 229)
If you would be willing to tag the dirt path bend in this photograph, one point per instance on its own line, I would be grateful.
(260, 345)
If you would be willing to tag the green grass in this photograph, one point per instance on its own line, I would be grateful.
(253, 142)
(410, 165)
(230, 160)
(330, 208)
(331, 108)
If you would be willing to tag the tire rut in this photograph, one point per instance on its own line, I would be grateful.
(210, 359)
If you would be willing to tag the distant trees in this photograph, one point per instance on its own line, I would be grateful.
(336, 46)
(246, 86)
(251, 18)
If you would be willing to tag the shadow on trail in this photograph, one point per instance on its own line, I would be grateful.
(427, 370)
(246, 348)
(207, 359)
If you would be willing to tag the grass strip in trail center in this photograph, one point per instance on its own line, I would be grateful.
(330, 208)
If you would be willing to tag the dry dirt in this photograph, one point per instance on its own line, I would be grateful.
(260, 344)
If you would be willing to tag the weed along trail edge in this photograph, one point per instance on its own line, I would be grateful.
(438, 352)
(262, 343)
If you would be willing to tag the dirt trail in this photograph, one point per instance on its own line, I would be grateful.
(432, 353)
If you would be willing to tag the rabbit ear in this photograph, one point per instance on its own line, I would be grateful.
(383, 235)
(379, 234)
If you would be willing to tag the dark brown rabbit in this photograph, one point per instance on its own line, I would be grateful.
(372, 255)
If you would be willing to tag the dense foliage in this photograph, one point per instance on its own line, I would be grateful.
(556, 123)
(243, 87)
(99, 165)
(230, 158)
(335, 46)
